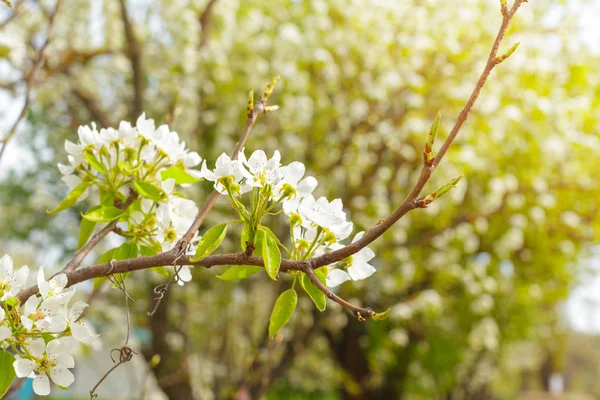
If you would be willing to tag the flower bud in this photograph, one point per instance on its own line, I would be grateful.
(295, 219)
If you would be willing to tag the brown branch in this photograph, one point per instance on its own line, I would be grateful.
(30, 80)
(359, 312)
(205, 20)
(134, 52)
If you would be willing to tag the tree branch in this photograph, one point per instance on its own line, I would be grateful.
(134, 53)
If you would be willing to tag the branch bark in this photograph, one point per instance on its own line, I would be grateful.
(134, 52)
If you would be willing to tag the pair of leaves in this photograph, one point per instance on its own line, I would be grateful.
(210, 241)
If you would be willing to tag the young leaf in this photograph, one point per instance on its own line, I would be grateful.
(86, 229)
(148, 191)
(282, 311)
(95, 163)
(239, 272)
(149, 251)
(7, 371)
(315, 294)
(180, 176)
(12, 302)
(71, 198)
(105, 213)
(210, 241)
(381, 316)
(270, 253)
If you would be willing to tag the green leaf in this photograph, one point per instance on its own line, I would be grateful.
(148, 191)
(94, 162)
(239, 272)
(270, 253)
(282, 311)
(161, 271)
(86, 229)
(271, 234)
(149, 251)
(317, 296)
(12, 302)
(71, 198)
(381, 316)
(245, 236)
(7, 371)
(210, 241)
(105, 213)
(125, 251)
(180, 175)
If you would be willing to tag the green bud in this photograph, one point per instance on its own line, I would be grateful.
(435, 126)
(295, 219)
(328, 237)
(269, 89)
(288, 191)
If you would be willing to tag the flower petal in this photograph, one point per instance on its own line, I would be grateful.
(41, 385)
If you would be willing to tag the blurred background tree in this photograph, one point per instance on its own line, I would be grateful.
(475, 282)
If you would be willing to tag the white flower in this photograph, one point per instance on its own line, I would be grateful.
(326, 215)
(43, 315)
(224, 166)
(259, 171)
(292, 174)
(79, 329)
(4, 330)
(54, 288)
(51, 360)
(184, 275)
(11, 281)
(358, 269)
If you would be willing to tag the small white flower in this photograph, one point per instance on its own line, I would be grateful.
(52, 360)
(11, 281)
(329, 215)
(358, 269)
(54, 288)
(79, 329)
(259, 171)
(184, 275)
(224, 166)
(292, 175)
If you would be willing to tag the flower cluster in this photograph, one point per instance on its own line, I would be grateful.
(317, 225)
(138, 166)
(43, 332)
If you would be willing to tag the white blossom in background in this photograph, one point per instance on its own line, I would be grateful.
(10, 280)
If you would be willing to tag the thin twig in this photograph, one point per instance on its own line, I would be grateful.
(359, 312)
(253, 113)
(161, 290)
(30, 81)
